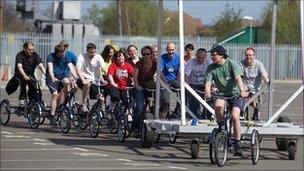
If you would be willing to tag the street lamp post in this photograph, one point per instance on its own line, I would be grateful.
(251, 21)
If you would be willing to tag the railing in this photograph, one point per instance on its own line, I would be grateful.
(288, 57)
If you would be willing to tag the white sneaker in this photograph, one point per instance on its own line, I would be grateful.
(84, 108)
(21, 102)
(130, 118)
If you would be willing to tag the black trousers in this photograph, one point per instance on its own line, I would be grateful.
(32, 90)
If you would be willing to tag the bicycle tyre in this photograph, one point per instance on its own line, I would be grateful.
(221, 146)
(255, 147)
(65, 120)
(94, 125)
(34, 115)
(5, 111)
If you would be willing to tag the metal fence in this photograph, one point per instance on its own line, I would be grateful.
(288, 57)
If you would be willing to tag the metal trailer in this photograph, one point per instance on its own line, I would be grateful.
(285, 133)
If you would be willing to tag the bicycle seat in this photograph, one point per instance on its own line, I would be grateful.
(174, 89)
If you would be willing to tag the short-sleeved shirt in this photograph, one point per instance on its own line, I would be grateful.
(90, 69)
(170, 67)
(253, 75)
(224, 76)
(196, 72)
(145, 73)
(72, 56)
(121, 73)
(29, 63)
(60, 65)
(106, 67)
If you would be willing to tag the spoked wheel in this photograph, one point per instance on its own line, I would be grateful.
(194, 148)
(75, 110)
(43, 113)
(94, 125)
(112, 125)
(121, 132)
(65, 120)
(173, 137)
(255, 147)
(220, 149)
(5, 111)
(34, 115)
(82, 121)
(211, 145)
(146, 136)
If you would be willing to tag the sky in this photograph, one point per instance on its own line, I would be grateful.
(206, 10)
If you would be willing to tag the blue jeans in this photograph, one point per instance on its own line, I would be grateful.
(140, 101)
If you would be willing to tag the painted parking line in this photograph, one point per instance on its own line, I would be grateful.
(58, 160)
(94, 168)
(91, 154)
(16, 136)
(38, 149)
(5, 132)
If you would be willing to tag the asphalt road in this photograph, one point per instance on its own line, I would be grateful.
(46, 148)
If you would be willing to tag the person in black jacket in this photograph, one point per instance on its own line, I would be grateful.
(26, 62)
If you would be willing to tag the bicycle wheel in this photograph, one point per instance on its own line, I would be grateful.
(34, 115)
(220, 149)
(65, 120)
(76, 109)
(211, 145)
(194, 148)
(112, 125)
(5, 111)
(82, 121)
(94, 125)
(255, 147)
(121, 132)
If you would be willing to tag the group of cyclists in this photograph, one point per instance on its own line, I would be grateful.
(117, 70)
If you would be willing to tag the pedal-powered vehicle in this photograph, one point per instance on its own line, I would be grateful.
(97, 113)
(221, 139)
(32, 110)
(125, 121)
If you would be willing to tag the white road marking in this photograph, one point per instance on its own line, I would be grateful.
(91, 168)
(92, 154)
(16, 136)
(57, 160)
(39, 149)
(5, 132)
(80, 149)
(143, 164)
(36, 139)
(42, 143)
(16, 140)
(175, 167)
(125, 160)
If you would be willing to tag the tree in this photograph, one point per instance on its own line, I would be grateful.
(228, 22)
(288, 21)
(138, 17)
(11, 21)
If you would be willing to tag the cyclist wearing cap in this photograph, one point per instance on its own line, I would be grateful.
(226, 74)
(254, 73)
(56, 78)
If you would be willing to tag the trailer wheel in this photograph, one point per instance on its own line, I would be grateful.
(291, 151)
(282, 143)
(147, 136)
(194, 148)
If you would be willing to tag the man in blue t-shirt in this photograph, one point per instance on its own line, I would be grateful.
(58, 65)
(169, 65)
(68, 54)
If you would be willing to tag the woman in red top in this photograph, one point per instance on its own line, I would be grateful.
(119, 74)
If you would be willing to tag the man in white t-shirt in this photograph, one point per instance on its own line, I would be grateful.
(88, 68)
(254, 73)
(195, 72)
